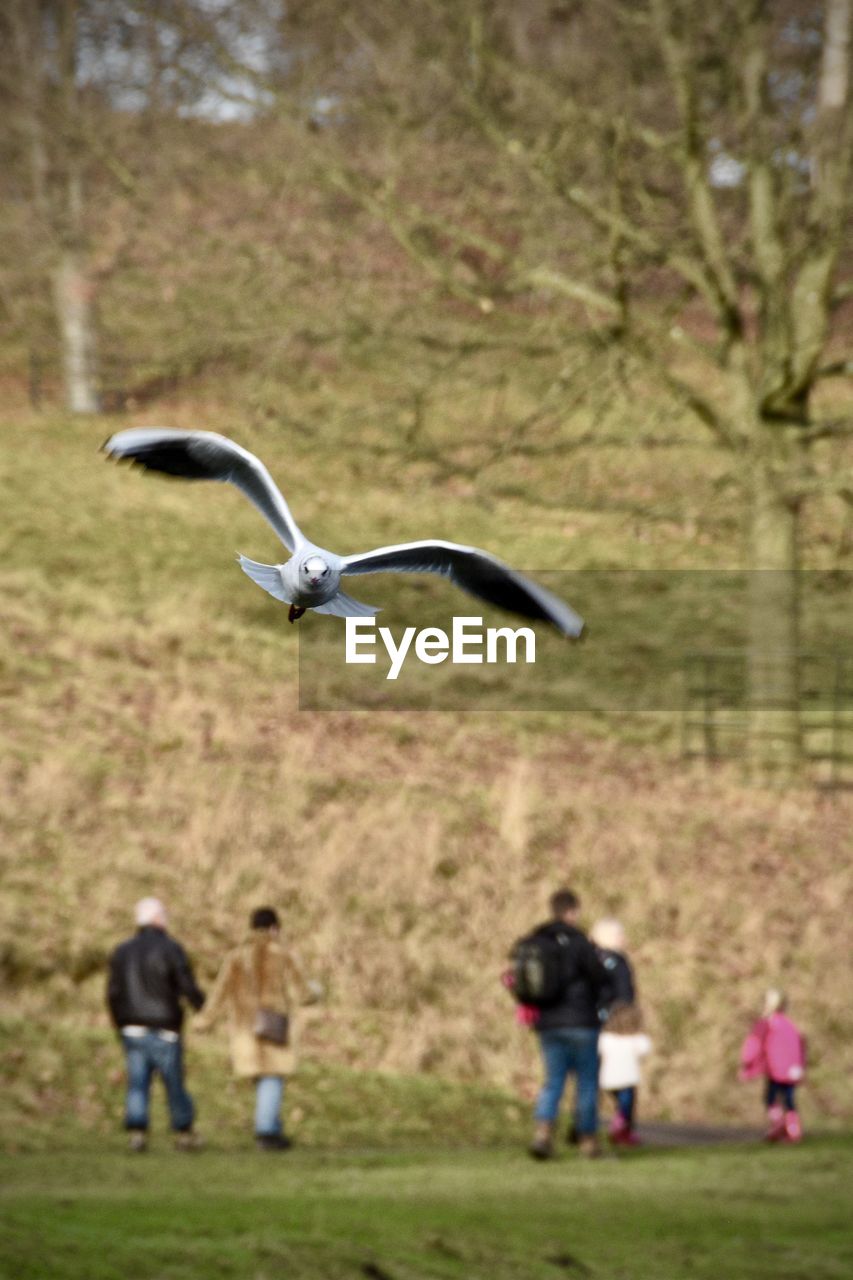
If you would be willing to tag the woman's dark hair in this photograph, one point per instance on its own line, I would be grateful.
(264, 918)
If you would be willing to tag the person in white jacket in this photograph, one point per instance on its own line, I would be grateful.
(622, 1045)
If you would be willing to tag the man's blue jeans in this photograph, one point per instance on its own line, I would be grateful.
(568, 1050)
(268, 1094)
(146, 1055)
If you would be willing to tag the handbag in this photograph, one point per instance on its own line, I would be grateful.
(271, 1026)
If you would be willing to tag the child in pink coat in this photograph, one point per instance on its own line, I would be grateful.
(775, 1049)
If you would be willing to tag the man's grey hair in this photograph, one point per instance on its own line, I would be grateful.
(150, 911)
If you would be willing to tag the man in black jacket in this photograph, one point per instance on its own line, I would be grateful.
(149, 976)
(568, 1031)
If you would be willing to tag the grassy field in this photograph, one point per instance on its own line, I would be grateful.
(163, 730)
(739, 1213)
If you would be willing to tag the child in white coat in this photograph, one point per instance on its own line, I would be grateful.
(621, 1046)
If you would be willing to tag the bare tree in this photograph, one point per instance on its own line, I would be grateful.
(695, 164)
(78, 78)
(40, 86)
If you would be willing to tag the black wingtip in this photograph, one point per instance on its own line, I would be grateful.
(170, 457)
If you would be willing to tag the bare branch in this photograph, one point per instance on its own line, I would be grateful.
(402, 221)
(437, 265)
(420, 217)
(541, 167)
(767, 245)
(833, 132)
(841, 294)
(575, 114)
(836, 369)
(655, 252)
(557, 282)
(701, 203)
(699, 405)
(841, 429)
(813, 486)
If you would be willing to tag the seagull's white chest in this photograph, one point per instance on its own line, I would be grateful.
(303, 593)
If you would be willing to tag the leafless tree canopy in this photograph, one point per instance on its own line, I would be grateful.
(670, 180)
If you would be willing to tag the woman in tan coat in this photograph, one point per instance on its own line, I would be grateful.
(258, 984)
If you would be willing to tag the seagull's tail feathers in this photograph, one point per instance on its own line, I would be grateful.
(343, 606)
(267, 576)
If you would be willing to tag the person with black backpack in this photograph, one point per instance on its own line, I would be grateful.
(556, 973)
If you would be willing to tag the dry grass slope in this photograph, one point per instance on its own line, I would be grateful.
(152, 743)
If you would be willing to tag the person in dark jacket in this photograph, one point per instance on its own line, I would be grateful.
(621, 988)
(568, 1031)
(150, 975)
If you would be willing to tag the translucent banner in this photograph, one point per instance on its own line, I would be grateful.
(434, 647)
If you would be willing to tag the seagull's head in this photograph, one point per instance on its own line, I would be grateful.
(314, 571)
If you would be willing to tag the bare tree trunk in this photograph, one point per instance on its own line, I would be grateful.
(775, 737)
(73, 290)
(835, 67)
(73, 297)
(73, 294)
(775, 741)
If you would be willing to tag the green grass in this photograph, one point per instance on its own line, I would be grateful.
(65, 1084)
(738, 1214)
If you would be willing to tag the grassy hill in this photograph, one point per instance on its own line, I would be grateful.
(152, 742)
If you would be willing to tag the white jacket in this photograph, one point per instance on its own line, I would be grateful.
(620, 1059)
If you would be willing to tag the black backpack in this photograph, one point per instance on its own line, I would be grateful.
(538, 968)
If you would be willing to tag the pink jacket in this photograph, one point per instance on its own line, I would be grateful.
(526, 1014)
(774, 1048)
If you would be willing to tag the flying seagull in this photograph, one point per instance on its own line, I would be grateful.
(311, 577)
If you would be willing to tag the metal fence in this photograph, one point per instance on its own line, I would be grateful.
(719, 720)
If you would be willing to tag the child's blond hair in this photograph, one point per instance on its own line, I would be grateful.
(609, 934)
(775, 1001)
(624, 1019)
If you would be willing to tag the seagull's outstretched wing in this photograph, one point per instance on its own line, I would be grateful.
(267, 576)
(475, 571)
(203, 455)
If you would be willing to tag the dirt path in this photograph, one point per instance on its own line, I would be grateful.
(694, 1135)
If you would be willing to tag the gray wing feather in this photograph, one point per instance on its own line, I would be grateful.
(204, 455)
(475, 571)
(343, 606)
(266, 576)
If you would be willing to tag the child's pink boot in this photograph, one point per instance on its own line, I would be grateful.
(793, 1127)
(618, 1129)
(775, 1124)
